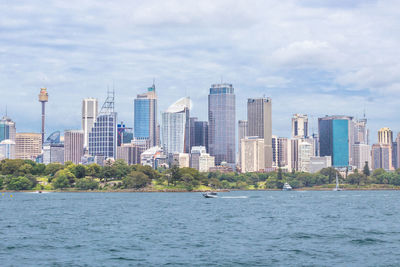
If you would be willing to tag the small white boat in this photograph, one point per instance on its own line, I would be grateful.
(337, 188)
(210, 195)
(286, 187)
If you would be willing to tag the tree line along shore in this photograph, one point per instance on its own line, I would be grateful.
(17, 174)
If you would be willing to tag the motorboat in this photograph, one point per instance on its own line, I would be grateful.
(286, 187)
(210, 195)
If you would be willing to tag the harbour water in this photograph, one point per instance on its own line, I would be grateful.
(242, 228)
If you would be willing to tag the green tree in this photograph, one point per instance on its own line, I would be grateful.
(25, 169)
(120, 168)
(19, 183)
(53, 168)
(175, 175)
(330, 172)
(11, 166)
(366, 170)
(39, 169)
(355, 178)
(61, 182)
(79, 171)
(189, 182)
(135, 180)
(280, 175)
(215, 183)
(94, 170)
(61, 174)
(87, 184)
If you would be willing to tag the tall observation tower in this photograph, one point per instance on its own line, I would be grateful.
(43, 98)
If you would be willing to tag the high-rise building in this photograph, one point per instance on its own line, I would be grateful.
(53, 152)
(279, 152)
(361, 155)
(381, 157)
(192, 139)
(336, 138)
(242, 133)
(201, 134)
(222, 123)
(103, 137)
(299, 126)
(89, 115)
(361, 131)
(43, 98)
(7, 129)
(145, 121)
(394, 155)
(398, 150)
(259, 118)
(385, 136)
(7, 149)
(74, 145)
(252, 154)
(125, 134)
(382, 153)
(300, 150)
(130, 153)
(174, 126)
(195, 154)
(28, 145)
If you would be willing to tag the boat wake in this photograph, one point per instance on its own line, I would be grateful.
(236, 197)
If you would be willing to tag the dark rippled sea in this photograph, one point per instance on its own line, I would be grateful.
(348, 228)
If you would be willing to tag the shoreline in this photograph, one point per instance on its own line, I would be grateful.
(194, 191)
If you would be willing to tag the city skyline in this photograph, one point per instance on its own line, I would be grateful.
(340, 66)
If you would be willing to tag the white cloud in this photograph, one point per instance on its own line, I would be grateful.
(316, 57)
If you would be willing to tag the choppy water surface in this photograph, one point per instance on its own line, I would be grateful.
(347, 228)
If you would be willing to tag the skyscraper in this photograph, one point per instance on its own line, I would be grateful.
(89, 115)
(174, 126)
(259, 118)
(280, 151)
(198, 133)
(361, 132)
(385, 142)
(336, 138)
(299, 126)
(7, 129)
(385, 136)
(74, 145)
(145, 121)
(242, 133)
(222, 123)
(398, 150)
(28, 145)
(381, 157)
(103, 137)
(252, 154)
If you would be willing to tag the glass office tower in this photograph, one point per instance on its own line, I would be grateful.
(103, 137)
(222, 123)
(145, 116)
(336, 139)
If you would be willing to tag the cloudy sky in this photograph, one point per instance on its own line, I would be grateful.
(313, 57)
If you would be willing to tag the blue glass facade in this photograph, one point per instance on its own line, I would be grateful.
(340, 145)
(142, 118)
(334, 140)
(222, 123)
(4, 131)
